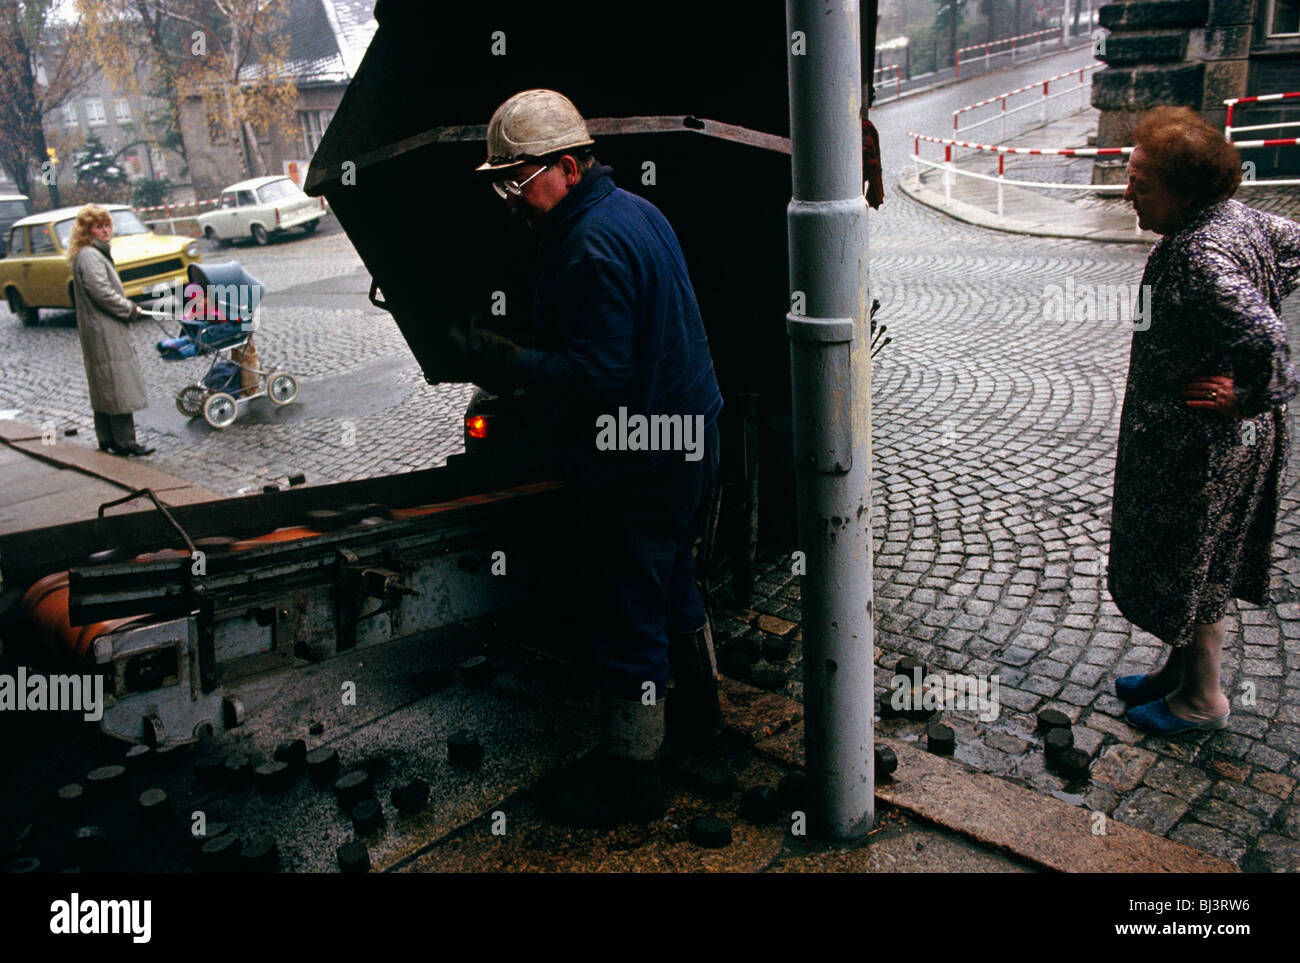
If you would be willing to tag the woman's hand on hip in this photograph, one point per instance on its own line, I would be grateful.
(1212, 393)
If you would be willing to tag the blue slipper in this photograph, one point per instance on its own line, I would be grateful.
(1137, 689)
(1156, 717)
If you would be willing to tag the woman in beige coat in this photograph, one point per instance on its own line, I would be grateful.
(104, 315)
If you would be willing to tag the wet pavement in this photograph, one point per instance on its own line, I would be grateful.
(994, 436)
(363, 407)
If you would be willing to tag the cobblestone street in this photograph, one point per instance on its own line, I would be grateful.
(994, 435)
(363, 407)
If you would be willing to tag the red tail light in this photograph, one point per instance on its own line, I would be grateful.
(476, 426)
(277, 217)
(322, 203)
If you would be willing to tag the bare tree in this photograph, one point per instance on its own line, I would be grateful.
(994, 12)
(948, 15)
(42, 64)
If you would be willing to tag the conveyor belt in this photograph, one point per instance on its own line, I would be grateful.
(29, 555)
(253, 568)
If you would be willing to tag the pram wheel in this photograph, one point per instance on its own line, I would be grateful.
(189, 401)
(281, 387)
(220, 410)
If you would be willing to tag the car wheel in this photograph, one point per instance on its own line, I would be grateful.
(281, 388)
(211, 234)
(260, 235)
(311, 226)
(220, 410)
(189, 401)
(27, 315)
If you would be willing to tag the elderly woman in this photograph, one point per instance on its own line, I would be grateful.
(103, 317)
(1202, 440)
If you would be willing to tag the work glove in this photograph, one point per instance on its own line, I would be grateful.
(491, 359)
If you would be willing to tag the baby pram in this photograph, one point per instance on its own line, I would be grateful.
(218, 316)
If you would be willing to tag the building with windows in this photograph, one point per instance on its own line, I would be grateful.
(1199, 53)
(328, 38)
(132, 126)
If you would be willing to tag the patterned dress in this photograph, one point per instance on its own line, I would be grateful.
(1197, 492)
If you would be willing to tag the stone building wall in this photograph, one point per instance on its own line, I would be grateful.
(216, 158)
(1191, 53)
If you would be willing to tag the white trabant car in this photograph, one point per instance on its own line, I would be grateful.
(260, 208)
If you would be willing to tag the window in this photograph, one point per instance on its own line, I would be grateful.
(95, 111)
(313, 124)
(42, 243)
(18, 241)
(278, 190)
(70, 114)
(124, 222)
(246, 199)
(1284, 18)
(123, 107)
(228, 200)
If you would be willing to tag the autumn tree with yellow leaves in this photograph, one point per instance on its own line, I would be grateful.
(230, 55)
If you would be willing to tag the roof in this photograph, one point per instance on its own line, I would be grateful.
(59, 213)
(354, 25)
(327, 39)
(253, 183)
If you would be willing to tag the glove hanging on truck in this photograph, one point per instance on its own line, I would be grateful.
(871, 167)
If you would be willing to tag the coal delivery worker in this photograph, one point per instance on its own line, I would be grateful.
(618, 337)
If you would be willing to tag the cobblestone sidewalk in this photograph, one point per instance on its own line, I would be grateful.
(994, 437)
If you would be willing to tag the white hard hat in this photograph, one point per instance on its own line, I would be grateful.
(533, 123)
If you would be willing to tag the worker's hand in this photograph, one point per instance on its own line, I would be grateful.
(491, 358)
(1212, 393)
(496, 351)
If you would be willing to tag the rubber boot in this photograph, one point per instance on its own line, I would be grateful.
(695, 720)
(623, 781)
(632, 735)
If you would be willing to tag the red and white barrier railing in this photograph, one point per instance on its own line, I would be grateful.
(1234, 102)
(170, 209)
(1271, 142)
(1038, 36)
(951, 142)
(1229, 130)
(950, 169)
(1041, 100)
(171, 213)
(898, 77)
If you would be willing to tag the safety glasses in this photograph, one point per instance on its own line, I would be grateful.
(508, 189)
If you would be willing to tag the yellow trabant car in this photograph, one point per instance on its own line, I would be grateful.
(35, 273)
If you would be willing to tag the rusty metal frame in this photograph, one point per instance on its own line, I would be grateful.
(148, 493)
(597, 126)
